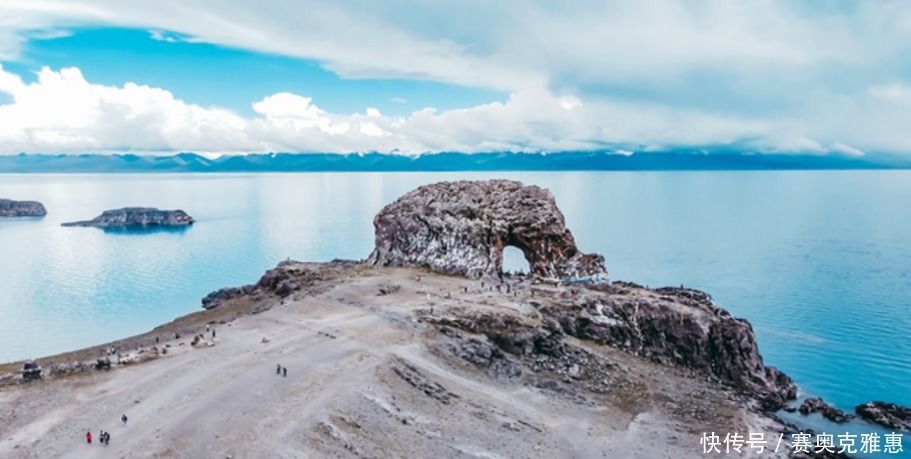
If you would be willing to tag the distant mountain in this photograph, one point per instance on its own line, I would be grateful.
(505, 161)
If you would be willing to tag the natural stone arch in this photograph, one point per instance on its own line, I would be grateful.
(514, 259)
(462, 228)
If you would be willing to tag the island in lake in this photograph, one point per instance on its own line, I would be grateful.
(427, 348)
(10, 208)
(137, 218)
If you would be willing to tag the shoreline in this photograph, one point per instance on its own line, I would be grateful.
(408, 346)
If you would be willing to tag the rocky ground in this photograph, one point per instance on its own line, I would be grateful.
(397, 362)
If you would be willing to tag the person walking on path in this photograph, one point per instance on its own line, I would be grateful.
(213, 333)
(107, 438)
(278, 369)
(88, 437)
(285, 372)
(123, 419)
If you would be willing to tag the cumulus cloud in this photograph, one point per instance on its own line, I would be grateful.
(63, 112)
(769, 75)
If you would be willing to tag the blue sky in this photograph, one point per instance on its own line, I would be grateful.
(771, 76)
(211, 75)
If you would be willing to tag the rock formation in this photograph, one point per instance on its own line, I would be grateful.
(10, 208)
(137, 218)
(671, 326)
(462, 227)
(886, 414)
(818, 405)
(287, 278)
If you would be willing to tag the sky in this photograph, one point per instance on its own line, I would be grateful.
(212, 76)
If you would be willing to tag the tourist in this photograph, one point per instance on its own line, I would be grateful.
(285, 372)
(213, 333)
(107, 438)
(278, 369)
(123, 419)
(207, 328)
(88, 437)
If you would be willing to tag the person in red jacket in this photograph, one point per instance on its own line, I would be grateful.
(88, 437)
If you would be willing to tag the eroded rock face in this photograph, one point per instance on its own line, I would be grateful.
(280, 282)
(671, 326)
(462, 228)
(137, 217)
(10, 208)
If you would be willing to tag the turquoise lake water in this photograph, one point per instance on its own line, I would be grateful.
(818, 261)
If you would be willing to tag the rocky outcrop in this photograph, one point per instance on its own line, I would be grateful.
(138, 218)
(886, 414)
(818, 405)
(10, 208)
(674, 327)
(281, 282)
(462, 228)
(218, 297)
(679, 327)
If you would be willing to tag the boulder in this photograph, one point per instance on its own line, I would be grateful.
(10, 208)
(462, 228)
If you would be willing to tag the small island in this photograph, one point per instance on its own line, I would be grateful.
(10, 208)
(137, 218)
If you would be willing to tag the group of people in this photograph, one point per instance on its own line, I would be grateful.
(280, 370)
(110, 350)
(104, 438)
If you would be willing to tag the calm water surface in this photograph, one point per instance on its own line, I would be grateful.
(819, 262)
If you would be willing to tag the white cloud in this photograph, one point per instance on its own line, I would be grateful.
(62, 112)
(773, 75)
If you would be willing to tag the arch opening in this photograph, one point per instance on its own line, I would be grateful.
(514, 261)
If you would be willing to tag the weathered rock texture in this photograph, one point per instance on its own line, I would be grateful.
(818, 405)
(886, 414)
(10, 208)
(288, 278)
(462, 228)
(671, 326)
(137, 217)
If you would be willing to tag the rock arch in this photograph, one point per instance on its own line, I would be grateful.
(462, 228)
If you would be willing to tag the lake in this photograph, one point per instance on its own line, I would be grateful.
(818, 261)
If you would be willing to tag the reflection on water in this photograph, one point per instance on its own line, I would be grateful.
(800, 254)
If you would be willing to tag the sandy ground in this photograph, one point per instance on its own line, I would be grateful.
(367, 377)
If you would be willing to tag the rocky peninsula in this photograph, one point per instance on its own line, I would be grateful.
(137, 218)
(10, 208)
(425, 349)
